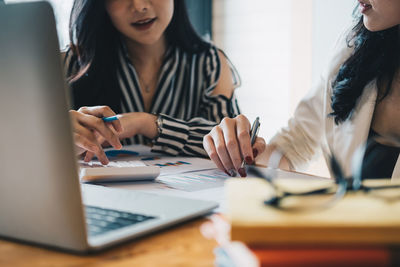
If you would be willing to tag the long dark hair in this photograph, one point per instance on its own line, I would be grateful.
(376, 56)
(94, 44)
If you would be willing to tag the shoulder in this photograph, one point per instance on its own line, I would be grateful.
(226, 82)
(208, 58)
(212, 62)
(215, 60)
(218, 68)
(211, 58)
(220, 73)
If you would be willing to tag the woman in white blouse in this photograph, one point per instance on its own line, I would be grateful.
(357, 97)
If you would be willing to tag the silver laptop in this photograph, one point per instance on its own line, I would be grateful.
(41, 198)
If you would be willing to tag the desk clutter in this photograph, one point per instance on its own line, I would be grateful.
(358, 230)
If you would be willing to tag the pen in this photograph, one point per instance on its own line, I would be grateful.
(109, 119)
(253, 135)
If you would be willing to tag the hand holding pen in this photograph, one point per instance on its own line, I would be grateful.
(255, 128)
(92, 126)
(231, 142)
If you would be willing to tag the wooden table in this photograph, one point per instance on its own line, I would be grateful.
(182, 245)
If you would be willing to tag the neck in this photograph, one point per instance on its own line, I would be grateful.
(142, 55)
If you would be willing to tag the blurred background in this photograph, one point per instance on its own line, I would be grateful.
(279, 48)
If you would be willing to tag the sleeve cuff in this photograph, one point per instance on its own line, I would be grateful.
(173, 135)
(295, 147)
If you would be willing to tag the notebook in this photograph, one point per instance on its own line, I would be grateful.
(356, 219)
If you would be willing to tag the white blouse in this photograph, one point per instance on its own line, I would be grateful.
(311, 127)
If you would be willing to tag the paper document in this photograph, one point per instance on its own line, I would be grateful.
(176, 165)
(194, 181)
(167, 164)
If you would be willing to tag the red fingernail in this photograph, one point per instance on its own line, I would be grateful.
(249, 160)
(242, 172)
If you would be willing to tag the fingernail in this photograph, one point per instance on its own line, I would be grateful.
(255, 152)
(242, 172)
(232, 173)
(249, 160)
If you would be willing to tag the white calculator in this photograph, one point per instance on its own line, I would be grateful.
(117, 171)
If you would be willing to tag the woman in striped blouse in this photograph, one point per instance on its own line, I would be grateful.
(143, 60)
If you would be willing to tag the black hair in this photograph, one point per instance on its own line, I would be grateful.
(94, 44)
(376, 55)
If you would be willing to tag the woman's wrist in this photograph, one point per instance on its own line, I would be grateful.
(142, 123)
(148, 125)
(145, 124)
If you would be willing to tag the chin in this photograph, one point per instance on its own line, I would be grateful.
(375, 27)
(372, 28)
(147, 41)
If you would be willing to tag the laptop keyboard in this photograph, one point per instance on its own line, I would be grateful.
(101, 220)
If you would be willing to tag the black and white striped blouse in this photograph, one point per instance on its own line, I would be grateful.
(183, 98)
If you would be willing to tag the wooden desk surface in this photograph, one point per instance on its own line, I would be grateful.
(182, 245)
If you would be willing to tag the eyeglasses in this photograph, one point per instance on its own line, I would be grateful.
(316, 194)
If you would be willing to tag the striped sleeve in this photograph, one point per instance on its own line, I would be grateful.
(186, 137)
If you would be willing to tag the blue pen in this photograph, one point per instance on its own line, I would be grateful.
(110, 119)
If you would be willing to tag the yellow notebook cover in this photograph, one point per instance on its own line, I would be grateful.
(356, 219)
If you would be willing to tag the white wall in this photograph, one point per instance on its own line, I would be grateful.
(330, 19)
(256, 35)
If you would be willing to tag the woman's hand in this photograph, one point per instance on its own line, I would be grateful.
(90, 131)
(229, 143)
